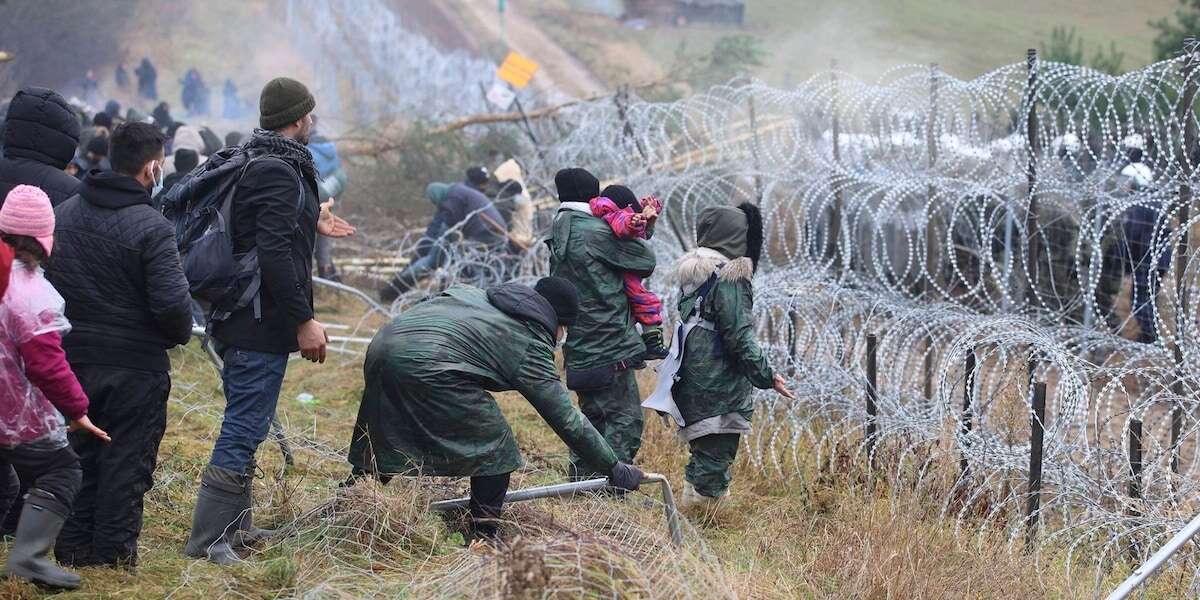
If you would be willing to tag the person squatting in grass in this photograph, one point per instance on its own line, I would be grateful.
(604, 347)
(715, 357)
(629, 220)
(426, 408)
(36, 385)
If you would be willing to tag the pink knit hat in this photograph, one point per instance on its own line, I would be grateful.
(27, 211)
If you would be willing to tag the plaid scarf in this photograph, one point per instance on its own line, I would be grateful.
(273, 144)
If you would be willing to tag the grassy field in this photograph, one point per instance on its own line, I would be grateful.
(868, 37)
(821, 533)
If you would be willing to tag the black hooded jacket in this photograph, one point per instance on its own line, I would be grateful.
(116, 264)
(41, 134)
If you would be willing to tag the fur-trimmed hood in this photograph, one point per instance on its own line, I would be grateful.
(695, 267)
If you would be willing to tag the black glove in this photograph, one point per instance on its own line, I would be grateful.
(625, 476)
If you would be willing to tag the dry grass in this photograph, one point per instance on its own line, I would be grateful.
(820, 534)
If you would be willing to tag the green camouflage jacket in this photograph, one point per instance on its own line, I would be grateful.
(584, 250)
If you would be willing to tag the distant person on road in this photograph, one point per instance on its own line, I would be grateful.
(147, 77)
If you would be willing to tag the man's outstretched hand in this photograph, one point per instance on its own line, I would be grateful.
(331, 225)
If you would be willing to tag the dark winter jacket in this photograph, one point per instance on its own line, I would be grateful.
(483, 222)
(41, 134)
(270, 213)
(426, 405)
(116, 264)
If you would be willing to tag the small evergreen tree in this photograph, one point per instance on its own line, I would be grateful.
(1172, 31)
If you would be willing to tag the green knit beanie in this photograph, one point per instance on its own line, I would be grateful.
(283, 101)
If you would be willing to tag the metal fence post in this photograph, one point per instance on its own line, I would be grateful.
(836, 252)
(1037, 435)
(968, 412)
(872, 397)
(792, 335)
(1135, 477)
(1033, 149)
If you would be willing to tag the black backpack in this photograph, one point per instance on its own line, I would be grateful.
(201, 208)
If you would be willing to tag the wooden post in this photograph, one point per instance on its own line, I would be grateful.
(1192, 49)
(835, 221)
(1037, 436)
(872, 397)
(968, 412)
(1033, 149)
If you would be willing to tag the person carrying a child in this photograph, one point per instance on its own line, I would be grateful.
(631, 219)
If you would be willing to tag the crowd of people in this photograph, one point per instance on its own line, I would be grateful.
(101, 286)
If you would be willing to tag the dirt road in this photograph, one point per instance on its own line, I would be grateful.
(560, 71)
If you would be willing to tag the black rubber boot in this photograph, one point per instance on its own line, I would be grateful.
(219, 507)
(42, 518)
(247, 534)
(653, 338)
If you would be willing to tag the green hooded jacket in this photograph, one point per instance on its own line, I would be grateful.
(719, 367)
(584, 250)
(426, 406)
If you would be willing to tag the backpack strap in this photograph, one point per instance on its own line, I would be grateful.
(251, 296)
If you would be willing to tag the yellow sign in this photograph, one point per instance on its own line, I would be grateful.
(517, 70)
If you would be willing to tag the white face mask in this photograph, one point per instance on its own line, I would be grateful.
(158, 182)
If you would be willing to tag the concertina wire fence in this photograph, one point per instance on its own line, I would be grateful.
(931, 219)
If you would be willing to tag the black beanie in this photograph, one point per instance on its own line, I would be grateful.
(283, 101)
(562, 296)
(576, 185)
(186, 160)
(477, 176)
(98, 146)
(102, 119)
(621, 196)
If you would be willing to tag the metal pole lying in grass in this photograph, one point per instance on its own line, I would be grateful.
(1142, 573)
(567, 490)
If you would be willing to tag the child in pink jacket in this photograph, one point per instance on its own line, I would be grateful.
(37, 389)
(631, 219)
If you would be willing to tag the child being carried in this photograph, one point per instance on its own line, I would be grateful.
(631, 219)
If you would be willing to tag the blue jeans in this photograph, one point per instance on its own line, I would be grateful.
(252, 381)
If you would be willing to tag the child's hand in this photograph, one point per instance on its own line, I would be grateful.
(637, 219)
(651, 207)
(85, 424)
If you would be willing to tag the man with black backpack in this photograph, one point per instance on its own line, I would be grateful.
(274, 218)
(117, 266)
